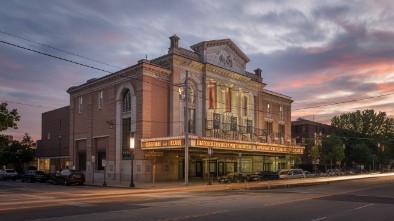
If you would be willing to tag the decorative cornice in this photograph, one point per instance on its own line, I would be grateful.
(233, 76)
(120, 76)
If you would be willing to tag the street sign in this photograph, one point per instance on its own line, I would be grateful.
(93, 159)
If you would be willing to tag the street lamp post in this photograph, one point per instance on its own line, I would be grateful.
(60, 143)
(187, 129)
(132, 158)
(186, 119)
(209, 165)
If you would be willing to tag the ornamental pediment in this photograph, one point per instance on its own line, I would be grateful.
(222, 53)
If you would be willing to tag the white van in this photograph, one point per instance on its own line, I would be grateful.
(291, 174)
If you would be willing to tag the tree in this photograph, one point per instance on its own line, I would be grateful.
(17, 153)
(366, 122)
(369, 127)
(8, 119)
(315, 153)
(332, 148)
(361, 154)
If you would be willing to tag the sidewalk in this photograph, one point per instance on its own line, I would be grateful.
(201, 184)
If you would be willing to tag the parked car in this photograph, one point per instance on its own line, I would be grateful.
(33, 176)
(334, 172)
(234, 178)
(68, 177)
(8, 174)
(264, 175)
(309, 174)
(291, 174)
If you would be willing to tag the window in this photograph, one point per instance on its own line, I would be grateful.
(303, 128)
(100, 157)
(228, 100)
(303, 140)
(126, 135)
(269, 127)
(82, 161)
(281, 130)
(268, 110)
(211, 97)
(127, 101)
(49, 135)
(191, 95)
(245, 106)
(100, 100)
(80, 104)
(281, 112)
(192, 121)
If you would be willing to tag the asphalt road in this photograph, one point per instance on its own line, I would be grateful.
(366, 199)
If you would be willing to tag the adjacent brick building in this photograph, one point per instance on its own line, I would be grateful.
(53, 152)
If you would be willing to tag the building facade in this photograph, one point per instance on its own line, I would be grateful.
(53, 153)
(186, 113)
(306, 132)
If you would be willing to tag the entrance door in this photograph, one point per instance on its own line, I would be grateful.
(199, 166)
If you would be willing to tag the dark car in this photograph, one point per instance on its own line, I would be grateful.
(234, 178)
(68, 177)
(264, 175)
(34, 176)
(268, 175)
(8, 174)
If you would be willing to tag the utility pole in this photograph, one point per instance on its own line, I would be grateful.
(187, 129)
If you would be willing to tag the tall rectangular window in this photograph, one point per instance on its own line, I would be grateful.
(211, 97)
(228, 100)
(281, 130)
(281, 112)
(245, 106)
(268, 110)
(126, 134)
(100, 100)
(80, 105)
(269, 127)
(192, 121)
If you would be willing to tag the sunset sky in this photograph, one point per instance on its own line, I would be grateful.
(330, 57)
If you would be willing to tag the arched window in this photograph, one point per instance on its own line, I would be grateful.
(127, 101)
(191, 95)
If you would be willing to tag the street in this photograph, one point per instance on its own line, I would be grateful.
(363, 199)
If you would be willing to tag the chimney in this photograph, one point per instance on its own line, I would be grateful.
(174, 41)
(258, 72)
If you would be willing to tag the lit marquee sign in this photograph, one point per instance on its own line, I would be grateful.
(162, 143)
(210, 143)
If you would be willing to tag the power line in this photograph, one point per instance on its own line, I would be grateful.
(31, 105)
(54, 56)
(236, 106)
(325, 105)
(59, 49)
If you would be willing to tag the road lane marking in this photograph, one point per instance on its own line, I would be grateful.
(194, 216)
(79, 204)
(316, 197)
(364, 206)
(319, 219)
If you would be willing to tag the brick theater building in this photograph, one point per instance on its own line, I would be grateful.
(227, 111)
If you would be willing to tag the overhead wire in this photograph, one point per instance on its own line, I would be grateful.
(236, 106)
(59, 49)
